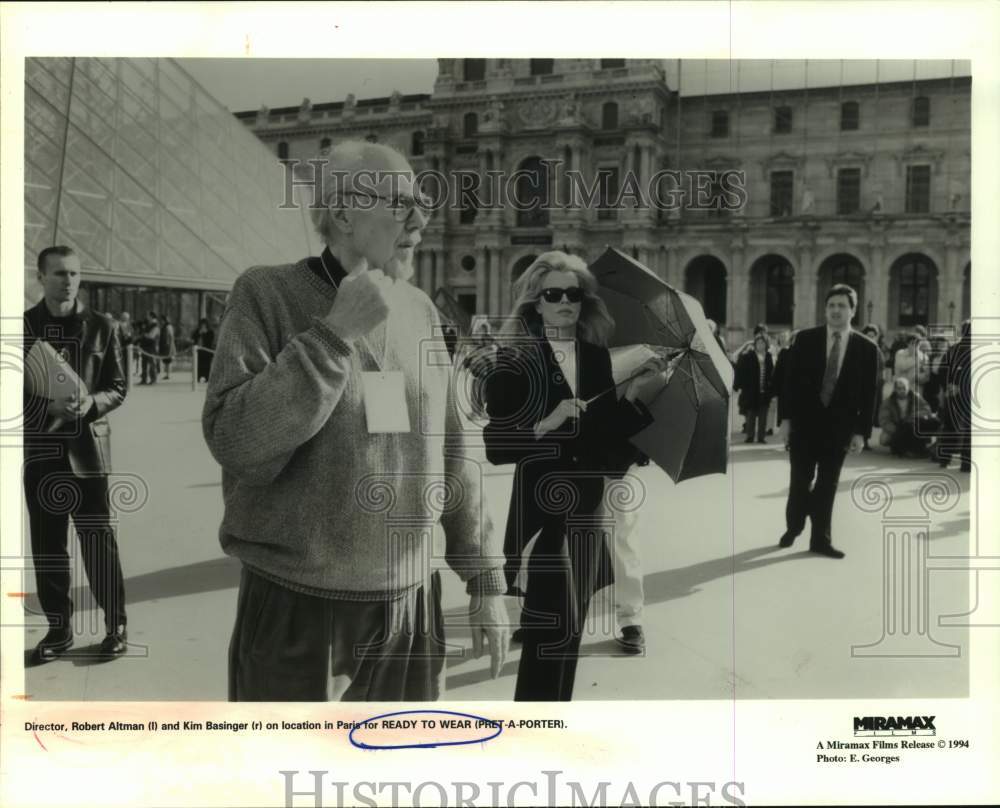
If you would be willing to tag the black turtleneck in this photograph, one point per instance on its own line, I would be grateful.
(337, 271)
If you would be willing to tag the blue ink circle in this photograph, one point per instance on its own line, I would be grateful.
(432, 745)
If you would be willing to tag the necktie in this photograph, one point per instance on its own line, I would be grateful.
(830, 374)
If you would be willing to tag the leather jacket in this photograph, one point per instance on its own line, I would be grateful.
(96, 355)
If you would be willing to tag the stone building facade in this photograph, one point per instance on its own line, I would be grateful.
(867, 184)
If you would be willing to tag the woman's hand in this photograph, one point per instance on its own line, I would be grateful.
(655, 371)
(565, 409)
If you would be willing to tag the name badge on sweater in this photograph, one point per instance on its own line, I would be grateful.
(385, 401)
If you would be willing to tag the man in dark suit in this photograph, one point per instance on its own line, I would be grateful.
(67, 456)
(828, 402)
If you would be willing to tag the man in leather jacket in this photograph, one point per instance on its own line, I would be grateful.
(67, 456)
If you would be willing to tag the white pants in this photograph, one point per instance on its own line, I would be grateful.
(629, 594)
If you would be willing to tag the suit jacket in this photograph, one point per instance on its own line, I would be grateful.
(561, 474)
(852, 409)
(99, 362)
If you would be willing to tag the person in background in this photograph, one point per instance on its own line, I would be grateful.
(906, 421)
(829, 392)
(168, 344)
(127, 331)
(875, 335)
(778, 377)
(912, 363)
(958, 399)
(937, 381)
(66, 466)
(149, 343)
(203, 337)
(754, 378)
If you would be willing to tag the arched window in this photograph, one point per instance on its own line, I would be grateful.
(470, 124)
(324, 144)
(609, 115)
(915, 277)
(417, 143)
(532, 194)
(541, 67)
(921, 111)
(772, 281)
(849, 116)
(705, 279)
(780, 293)
(371, 137)
(282, 150)
(473, 69)
(520, 265)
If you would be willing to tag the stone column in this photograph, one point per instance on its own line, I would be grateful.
(482, 279)
(506, 280)
(878, 287)
(804, 315)
(493, 269)
(738, 293)
(439, 269)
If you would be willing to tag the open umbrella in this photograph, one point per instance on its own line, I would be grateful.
(689, 436)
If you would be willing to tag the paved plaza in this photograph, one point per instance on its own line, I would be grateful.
(728, 614)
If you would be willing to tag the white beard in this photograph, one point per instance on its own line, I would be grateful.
(401, 271)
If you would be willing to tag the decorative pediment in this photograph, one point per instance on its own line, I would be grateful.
(721, 162)
(781, 161)
(919, 154)
(849, 159)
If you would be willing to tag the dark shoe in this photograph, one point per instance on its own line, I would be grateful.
(827, 550)
(748, 440)
(53, 644)
(787, 540)
(517, 636)
(632, 640)
(761, 440)
(115, 643)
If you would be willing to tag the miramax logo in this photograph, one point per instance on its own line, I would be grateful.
(894, 725)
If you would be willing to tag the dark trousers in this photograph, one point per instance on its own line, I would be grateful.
(906, 438)
(562, 572)
(757, 421)
(290, 646)
(150, 369)
(54, 495)
(816, 456)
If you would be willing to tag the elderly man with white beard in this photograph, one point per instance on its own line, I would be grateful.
(343, 459)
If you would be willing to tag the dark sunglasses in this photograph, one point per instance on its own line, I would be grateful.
(554, 294)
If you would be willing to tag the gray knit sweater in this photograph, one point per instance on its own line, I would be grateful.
(312, 500)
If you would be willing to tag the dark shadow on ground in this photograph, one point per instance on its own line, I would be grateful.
(684, 581)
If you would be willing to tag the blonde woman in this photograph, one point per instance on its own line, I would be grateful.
(555, 413)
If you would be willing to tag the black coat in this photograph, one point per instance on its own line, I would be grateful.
(747, 380)
(98, 360)
(561, 475)
(852, 408)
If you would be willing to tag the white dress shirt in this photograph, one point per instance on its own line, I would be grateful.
(565, 354)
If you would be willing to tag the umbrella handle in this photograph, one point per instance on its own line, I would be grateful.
(674, 352)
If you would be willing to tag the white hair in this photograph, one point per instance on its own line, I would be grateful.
(334, 170)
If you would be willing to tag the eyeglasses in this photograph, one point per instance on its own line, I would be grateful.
(401, 206)
(555, 294)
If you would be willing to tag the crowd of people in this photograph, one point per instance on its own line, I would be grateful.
(923, 406)
(151, 346)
